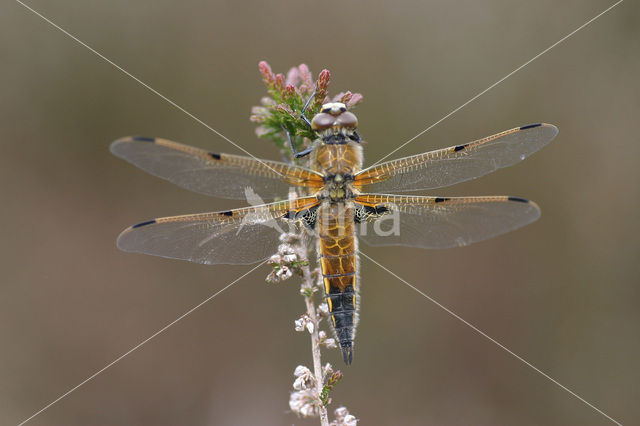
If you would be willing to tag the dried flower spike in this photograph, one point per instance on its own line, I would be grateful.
(343, 418)
(303, 403)
(304, 378)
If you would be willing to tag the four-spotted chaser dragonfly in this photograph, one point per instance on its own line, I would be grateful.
(340, 196)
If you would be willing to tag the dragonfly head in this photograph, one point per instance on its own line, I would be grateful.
(334, 115)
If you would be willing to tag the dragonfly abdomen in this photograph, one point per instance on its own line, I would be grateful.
(343, 308)
(337, 250)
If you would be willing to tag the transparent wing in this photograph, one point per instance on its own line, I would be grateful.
(219, 175)
(455, 164)
(438, 222)
(240, 236)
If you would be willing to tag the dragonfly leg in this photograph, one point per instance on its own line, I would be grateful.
(296, 154)
(306, 104)
(303, 153)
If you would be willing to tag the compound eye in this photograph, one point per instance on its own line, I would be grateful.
(347, 119)
(322, 121)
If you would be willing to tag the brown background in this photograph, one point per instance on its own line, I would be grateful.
(562, 293)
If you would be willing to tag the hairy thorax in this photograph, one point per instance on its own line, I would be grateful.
(338, 162)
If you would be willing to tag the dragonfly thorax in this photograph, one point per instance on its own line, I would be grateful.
(337, 188)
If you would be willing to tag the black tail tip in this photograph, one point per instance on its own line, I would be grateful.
(347, 354)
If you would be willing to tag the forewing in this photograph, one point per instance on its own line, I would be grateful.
(455, 164)
(439, 222)
(219, 175)
(240, 236)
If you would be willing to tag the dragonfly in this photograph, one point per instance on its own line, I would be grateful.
(340, 196)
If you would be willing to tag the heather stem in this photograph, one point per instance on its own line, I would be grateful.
(307, 286)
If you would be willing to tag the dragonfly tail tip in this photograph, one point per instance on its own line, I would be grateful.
(347, 353)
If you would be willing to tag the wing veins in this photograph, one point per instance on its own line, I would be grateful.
(447, 166)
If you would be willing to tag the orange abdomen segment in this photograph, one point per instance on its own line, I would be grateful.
(337, 249)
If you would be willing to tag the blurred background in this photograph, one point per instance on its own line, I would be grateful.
(562, 293)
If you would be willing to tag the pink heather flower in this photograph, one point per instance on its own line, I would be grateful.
(290, 92)
(342, 97)
(323, 84)
(279, 82)
(293, 77)
(305, 77)
(267, 101)
(261, 131)
(285, 108)
(287, 95)
(267, 74)
(347, 98)
(259, 114)
(356, 98)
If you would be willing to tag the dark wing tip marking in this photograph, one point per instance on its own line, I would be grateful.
(460, 147)
(143, 139)
(141, 224)
(214, 155)
(518, 199)
(530, 126)
(227, 213)
(441, 199)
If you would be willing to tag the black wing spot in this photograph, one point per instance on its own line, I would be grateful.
(141, 224)
(530, 126)
(144, 139)
(518, 199)
(364, 212)
(227, 213)
(307, 216)
(214, 155)
(378, 210)
(459, 147)
(441, 199)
